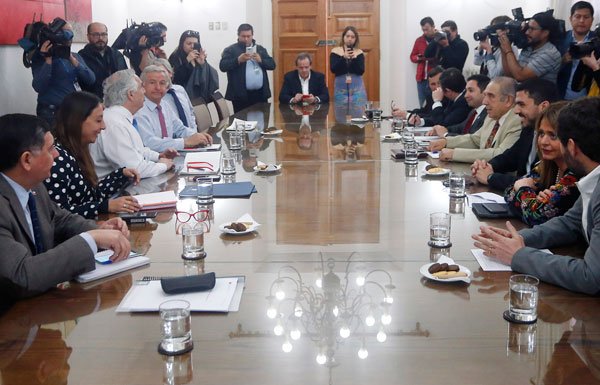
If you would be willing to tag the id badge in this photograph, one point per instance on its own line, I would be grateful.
(348, 79)
(76, 86)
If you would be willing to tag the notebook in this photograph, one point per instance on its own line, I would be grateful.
(158, 200)
(101, 271)
(202, 163)
(212, 147)
(223, 190)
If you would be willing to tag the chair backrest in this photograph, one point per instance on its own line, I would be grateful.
(221, 104)
(202, 114)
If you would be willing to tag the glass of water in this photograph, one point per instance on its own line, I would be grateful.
(439, 230)
(408, 137)
(193, 242)
(227, 164)
(176, 327)
(457, 184)
(204, 194)
(235, 140)
(523, 290)
(411, 153)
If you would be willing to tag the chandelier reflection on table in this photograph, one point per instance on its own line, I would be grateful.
(333, 310)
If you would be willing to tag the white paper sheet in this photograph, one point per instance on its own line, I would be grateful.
(249, 125)
(488, 264)
(148, 295)
(484, 197)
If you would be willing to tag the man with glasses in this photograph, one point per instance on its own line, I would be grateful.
(540, 58)
(100, 58)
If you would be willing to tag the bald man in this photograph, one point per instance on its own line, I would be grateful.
(100, 58)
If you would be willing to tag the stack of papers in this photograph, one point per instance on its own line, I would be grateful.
(249, 125)
(158, 200)
(202, 163)
(102, 271)
(212, 147)
(147, 295)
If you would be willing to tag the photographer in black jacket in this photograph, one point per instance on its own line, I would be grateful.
(448, 48)
(246, 64)
(100, 58)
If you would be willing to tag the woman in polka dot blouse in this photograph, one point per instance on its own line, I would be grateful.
(73, 182)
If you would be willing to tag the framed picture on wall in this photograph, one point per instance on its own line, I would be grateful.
(17, 13)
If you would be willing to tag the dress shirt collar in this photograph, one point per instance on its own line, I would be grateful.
(587, 184)
(150, 104)
(479, 110)
(503, 117)
(304, 80)
(122, 111)
(459, 95)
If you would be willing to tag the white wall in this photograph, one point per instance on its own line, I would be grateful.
(399, 26)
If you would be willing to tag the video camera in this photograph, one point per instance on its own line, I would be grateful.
(441, 35)
(577, 51)
(128, 39)
(515, 30)
(36, 33)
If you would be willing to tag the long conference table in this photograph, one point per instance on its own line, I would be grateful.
(333, 292)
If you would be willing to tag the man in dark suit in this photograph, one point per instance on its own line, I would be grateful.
(456, 110)
(533, 96)
(304, 85)
(474, 96)
(41, 244)
(579, 134)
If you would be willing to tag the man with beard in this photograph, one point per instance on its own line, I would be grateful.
(540, 59)
(533, 96)
(579, 134)
(100, 58)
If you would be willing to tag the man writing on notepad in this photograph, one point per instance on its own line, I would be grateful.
(41, 244)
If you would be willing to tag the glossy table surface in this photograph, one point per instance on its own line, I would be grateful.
(339, 210)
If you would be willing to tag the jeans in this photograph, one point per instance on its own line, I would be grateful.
(423, 91)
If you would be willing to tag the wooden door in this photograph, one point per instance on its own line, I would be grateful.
(299, 25)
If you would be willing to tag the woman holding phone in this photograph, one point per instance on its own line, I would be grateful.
(549, 190)
(190, 68)
(73, 183)
(347, 62)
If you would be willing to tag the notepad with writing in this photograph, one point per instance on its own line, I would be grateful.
(158, 200)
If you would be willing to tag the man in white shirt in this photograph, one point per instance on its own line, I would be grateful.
(579, 134)
(158, 125)
(120, 144)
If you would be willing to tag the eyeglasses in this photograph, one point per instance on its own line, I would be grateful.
(184, 216)
(200, 166)
(98, 34)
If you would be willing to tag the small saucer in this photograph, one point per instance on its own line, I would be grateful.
(506, 315)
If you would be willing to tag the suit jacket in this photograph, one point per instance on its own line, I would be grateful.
(457, 129)
(511, 160)
(236, 72)
(469, 147)
(101, 66)
(576, 274)
(291, 86)
(452, 113)
(21, 272)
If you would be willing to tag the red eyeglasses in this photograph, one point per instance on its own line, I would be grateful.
(199, 166)
(184, 216)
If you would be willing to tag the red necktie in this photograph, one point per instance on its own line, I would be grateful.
(161, 119)
(490, 139)
(470, 122)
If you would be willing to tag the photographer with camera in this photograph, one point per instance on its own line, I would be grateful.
(487, 54)
(578, 42)
(143, 44)
(540, 58)
(424, 64)
(448, 48)
(56, 70)
(102, 59)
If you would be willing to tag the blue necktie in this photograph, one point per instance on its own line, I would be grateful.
(35, 223)
(134, 123)
(179, 106)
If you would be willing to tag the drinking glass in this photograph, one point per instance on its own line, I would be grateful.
(523, 290)
(235, 140)
(457, 184)
(176, 327)
(411, 153)
(193, 242)
(377, 114)
(204, 193)
(439, 230)
(227, 164)
(408, 137)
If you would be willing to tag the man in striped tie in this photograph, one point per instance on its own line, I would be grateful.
(41, 244)
(500, 130)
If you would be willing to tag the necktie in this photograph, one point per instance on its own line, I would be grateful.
(35, 223)
(134, 123)
(161, 119)
(470, 122)
(490, 139)
(179, 106)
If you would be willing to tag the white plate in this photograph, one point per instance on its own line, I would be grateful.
(272, 133)
(441, 173)
(271, 168)
(233, 232)
(359, 120)
(425, 273)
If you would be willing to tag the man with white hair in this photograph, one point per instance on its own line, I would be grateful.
(158, 124)
(177, 98)
(120, 145)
